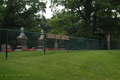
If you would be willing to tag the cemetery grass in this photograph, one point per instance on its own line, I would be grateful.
(60, 65)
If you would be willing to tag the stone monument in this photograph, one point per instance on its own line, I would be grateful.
(3, 47)
(108, 40)
(22, 40)
(41, 41)
(63, 45)
(56, 45)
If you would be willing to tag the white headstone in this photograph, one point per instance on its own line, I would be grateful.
(22, 29)
(42, 31)
(42, 36)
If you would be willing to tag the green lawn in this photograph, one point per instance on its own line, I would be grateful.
(60, 65)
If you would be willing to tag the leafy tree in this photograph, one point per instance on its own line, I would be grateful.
(94, 17)
(44, 24)
(78, 7)
(62, 23)
(18, 13)
(1, 12)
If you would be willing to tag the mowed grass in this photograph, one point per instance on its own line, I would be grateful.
(60, 65)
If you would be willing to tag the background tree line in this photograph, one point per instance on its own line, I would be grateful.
(22, 13)
(79, 18)
(87, 18)
(15, 14)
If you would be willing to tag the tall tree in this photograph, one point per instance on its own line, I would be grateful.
(1, 12)
(84, 8)
(95, 16)
(19, 13)
(63, 22)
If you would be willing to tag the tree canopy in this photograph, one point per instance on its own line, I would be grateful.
(87, 18)
(18, 13)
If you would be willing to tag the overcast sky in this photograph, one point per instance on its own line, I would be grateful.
(48, 13)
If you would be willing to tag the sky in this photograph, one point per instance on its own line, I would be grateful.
(49, 13)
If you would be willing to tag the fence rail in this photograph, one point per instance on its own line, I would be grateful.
(9, 40)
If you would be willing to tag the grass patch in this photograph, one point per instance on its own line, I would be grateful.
(60, 65)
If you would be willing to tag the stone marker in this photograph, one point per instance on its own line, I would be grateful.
(56, 45)
(108, 40)
(63, 45)
(3, 47)
(22, 40)
(41, 41)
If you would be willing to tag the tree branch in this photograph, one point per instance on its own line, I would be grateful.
(79, 11)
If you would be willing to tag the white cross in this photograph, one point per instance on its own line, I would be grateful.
(22, 29)
(42, 31)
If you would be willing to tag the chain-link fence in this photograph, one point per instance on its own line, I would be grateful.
(10, 37)
(15, 40)
(90, 44)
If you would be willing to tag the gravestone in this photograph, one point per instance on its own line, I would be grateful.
(63, 45)
(22, 40)
(56, 45)
(41, 41)
(3, 47)
(108, 40)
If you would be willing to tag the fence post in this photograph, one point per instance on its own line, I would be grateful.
(44, 41)
(82, 44)
(67, 46)
(6, 44)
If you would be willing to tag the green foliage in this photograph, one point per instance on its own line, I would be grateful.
(63, 23)
(18, 13)
(88, 18)
(56, 24)
(44, 24)
(1, 14)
